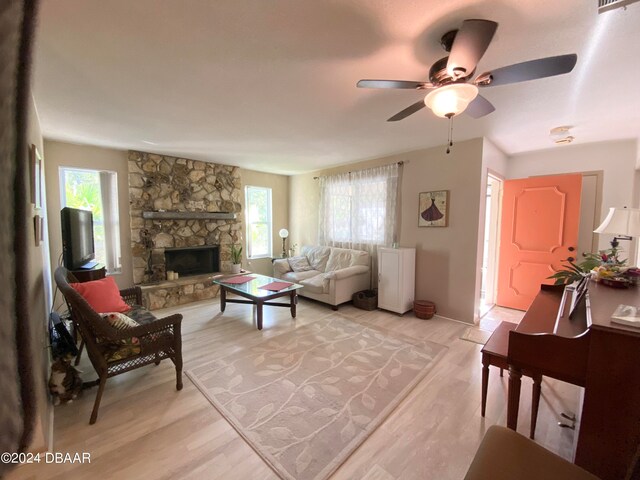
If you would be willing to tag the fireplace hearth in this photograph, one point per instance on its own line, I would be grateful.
(193, 260)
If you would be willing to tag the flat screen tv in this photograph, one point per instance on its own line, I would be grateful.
(78, 249)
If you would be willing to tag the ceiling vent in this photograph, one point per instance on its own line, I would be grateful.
(606, 5)
(560, 135)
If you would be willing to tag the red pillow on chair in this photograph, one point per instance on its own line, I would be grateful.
(103, 295)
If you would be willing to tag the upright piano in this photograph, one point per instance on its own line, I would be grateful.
(573, 339)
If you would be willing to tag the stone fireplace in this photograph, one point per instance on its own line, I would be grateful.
(177, 204)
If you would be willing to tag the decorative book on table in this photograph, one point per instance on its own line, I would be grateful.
(627, 315)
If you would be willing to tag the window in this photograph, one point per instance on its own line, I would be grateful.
(96, 190)
(258, 215)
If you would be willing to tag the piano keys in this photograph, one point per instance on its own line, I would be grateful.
(573, 339)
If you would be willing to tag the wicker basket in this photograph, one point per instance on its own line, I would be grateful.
(365, 299)
(424, 309)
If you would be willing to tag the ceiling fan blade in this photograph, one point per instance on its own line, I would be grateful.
(479, 107)
(469, 45)
(393, 84)
(419, 105)
(531, 70)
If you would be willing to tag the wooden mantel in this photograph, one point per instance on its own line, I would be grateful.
(189, 215)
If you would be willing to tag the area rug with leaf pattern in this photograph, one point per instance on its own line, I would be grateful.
(306, 399)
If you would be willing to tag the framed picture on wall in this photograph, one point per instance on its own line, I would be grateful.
(433, 209)
(35, 168)
(37, 229)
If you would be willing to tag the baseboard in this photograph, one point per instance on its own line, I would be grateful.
(49, 433)
(454, 320)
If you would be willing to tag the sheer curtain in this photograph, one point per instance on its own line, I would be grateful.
(359, 209)
(111, 218)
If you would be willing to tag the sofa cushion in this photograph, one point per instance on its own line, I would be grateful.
(360, 258)
(316, 284)
(340, 258)
(346, 272)
(280, 267)
(299, 264)
(119, 321)
(114, 350)
(298, 277)
(317, 257)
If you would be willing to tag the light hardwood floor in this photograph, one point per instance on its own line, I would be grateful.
(148, 430)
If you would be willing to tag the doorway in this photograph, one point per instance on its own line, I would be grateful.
(490, 255)
(587, 241)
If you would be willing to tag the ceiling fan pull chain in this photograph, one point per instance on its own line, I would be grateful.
(450, 137)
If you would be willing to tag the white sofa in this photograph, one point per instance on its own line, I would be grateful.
(334, 274)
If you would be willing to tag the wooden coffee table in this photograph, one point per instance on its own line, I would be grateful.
(256, 295)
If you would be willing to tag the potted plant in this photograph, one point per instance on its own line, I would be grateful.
(236, 258)
(604, 265)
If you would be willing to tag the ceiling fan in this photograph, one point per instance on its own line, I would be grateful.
(451, 90)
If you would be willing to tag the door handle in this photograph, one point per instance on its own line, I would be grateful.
(571, 259)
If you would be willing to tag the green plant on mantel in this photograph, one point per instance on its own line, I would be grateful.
(236, 254)
(605, 264)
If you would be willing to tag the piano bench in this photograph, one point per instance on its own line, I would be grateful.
(494, 353)
(507, 455)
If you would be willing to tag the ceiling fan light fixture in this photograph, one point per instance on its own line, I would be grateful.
(451, 99)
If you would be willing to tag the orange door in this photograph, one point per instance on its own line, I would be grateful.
(540, 219)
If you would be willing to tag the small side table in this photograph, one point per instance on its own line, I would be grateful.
(88, 274)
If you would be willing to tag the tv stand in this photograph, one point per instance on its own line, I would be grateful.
(89, 274)
(89, 265)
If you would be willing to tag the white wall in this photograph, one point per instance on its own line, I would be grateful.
(616, 159)
(493, 159)
(39, 292)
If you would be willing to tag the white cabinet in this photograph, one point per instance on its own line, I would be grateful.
(396, 278)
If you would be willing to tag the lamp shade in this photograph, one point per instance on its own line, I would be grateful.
(451, 99)
(284, 233)
(621, 221)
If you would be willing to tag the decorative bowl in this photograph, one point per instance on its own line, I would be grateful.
(615, 282)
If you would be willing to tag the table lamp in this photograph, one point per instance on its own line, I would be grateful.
(622, 223)
(284, 233)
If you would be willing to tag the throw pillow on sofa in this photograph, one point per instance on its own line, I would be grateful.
(102, 295)
(299, 264)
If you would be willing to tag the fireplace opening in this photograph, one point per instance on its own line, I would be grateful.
(193, 260)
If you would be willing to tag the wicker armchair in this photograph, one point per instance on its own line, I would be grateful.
(158, 338)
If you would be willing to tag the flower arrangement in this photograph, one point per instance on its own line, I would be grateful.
(603, 266)
(610, 265)
(236, 254)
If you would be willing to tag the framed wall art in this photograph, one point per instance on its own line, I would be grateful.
(433, 209)
(37, 229)
(35, 168)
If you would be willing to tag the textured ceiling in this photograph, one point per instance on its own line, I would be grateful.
(270, 85)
